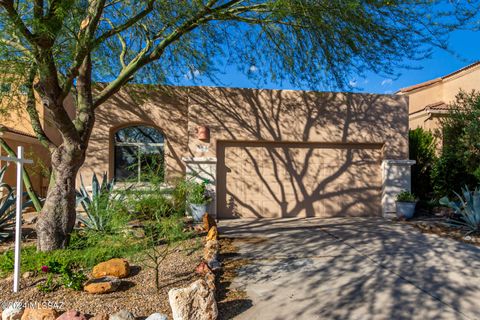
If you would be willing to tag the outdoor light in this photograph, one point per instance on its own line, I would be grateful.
(203, 133)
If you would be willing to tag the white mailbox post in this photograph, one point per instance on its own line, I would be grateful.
(20, 160)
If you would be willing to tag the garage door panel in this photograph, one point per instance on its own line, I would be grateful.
(292, 180)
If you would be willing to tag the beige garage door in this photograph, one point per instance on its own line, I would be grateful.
(274, 180)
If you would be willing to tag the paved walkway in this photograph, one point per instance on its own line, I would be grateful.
(353, 268)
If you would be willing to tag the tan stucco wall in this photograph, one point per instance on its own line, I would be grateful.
(445, 90)
(163, 108)
(38, 171)
(298, 116)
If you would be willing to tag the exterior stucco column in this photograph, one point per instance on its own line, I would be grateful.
(204, 168)
(396, 176)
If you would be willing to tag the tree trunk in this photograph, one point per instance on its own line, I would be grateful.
(57, 218)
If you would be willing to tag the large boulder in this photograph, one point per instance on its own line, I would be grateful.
(195, 302)
(12, 312)
(118, 268)
(102, 285)
(212, 233)
(72, 315)
(39, 314)
(211, 249)
(122, 315)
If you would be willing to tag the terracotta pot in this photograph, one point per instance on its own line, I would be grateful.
(203, 133)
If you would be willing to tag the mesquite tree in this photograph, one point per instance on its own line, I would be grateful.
(89, 49)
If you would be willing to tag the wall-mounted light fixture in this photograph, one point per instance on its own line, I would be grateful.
(203, 133)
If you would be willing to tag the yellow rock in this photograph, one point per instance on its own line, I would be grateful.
(118, 268)
(212, 233)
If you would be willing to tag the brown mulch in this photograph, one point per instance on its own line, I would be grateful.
(137, 293)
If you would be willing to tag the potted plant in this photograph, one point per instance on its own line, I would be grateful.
(405, 202)
(198, 199)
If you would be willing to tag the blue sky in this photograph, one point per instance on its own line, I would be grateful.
(464, 44)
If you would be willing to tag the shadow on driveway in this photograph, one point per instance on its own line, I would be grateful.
(354, 268)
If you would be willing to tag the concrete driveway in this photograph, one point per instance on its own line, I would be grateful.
(353, 268)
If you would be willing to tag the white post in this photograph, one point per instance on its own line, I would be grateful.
(20, 160)
(18, 221)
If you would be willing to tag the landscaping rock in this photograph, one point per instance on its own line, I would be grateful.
(210, 280)
(102, 285)
(12, 312)
(195, 302)
(210, 252)
(28, 275)
(208, 222)
(122, 315)
(39, 314)
(202, 269)
(72, 315)
(157, 316)
(100, 316)
(114, 268)
(214, 264)
(212, 234)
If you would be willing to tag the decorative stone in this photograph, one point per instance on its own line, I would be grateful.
(72, 315)
(214, 264)
(12, 312)
(157, 316)
(202, 269)
(100, 316)
(39, 314)
(102, 285)
(122, 315)
(212, 233)
(195, 302)
(28, 274)
(210, 280)
(208, 222)
(118, 268)
(210, 251)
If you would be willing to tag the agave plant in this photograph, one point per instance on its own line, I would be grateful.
(467, 209)
(100, 204)
(7, 206)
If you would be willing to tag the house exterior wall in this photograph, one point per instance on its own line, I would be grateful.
(444, 90)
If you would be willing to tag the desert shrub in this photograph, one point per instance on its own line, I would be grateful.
(422, 149)
(151, 204)
(86, 249)
(459, 161)
(466, 209)
(103, 207)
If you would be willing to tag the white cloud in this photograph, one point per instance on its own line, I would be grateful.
(353, 83)
(253, 68)
(387, 82)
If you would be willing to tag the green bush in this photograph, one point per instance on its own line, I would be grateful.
(405, 196)
(459, 162)
(85, 251)
(151, 204)
(422, 146)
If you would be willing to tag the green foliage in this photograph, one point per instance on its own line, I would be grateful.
(150, 204)
(459, 162)
(103, 207)
(7, 206)
(197, 192)
(422, 146)
(86, 249)
(405, 196)
(68, 277)
(467, 209)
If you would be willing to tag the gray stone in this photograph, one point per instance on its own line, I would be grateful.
(12, 312)
(122, 315)
(157, 316)
(195, 302)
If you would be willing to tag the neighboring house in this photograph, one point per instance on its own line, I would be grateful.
(268, 153)
(428, 101)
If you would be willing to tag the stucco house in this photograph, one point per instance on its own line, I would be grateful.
(267, 153)
(428, 101)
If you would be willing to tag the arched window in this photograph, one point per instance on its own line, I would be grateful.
(139, 154)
